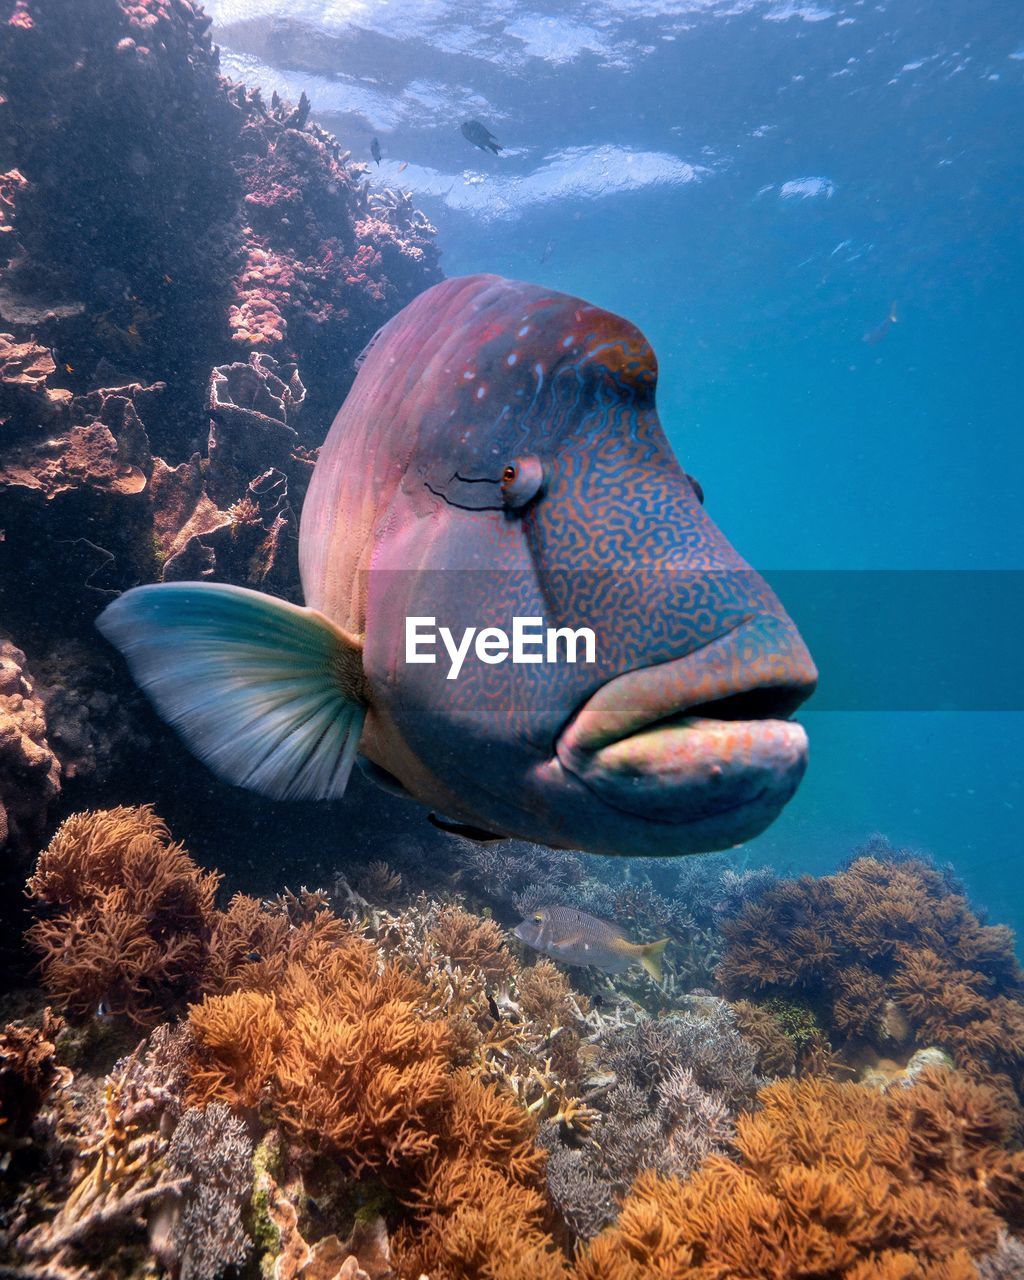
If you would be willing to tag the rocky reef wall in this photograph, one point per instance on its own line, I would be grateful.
(187, 274)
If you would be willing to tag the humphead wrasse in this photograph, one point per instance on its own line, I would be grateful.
(499, 456)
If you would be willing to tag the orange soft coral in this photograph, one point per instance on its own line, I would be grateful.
(128, 915)
(882, 933)
(480, 1198)
(473, 942)
(834, 1180)
(337, 1049)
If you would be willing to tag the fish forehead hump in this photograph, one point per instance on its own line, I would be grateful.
(471, 373)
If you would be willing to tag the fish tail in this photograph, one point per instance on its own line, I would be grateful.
(651, 957)
(267, 694)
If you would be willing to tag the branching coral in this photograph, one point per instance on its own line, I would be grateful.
(480, 1199)
(121, 1172)
(472, 942)
(213, 1151)
(128, 919)
(786, 1036)
(832, 1181)
(524, 1033)
(677, 1085)
(881, 934)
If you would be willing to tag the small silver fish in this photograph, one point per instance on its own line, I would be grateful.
(874, 336)
(577, 938)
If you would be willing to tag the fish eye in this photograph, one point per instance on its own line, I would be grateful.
(697, 487)
(538, 919)
(522, 479)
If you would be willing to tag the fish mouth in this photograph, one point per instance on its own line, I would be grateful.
(703, 741)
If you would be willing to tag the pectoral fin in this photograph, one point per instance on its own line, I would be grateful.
(269, 695)
(463, 829)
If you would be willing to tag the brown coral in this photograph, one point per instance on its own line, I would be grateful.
(29, 1073)
(776, 1052)
(882, 934)
(834, 1180)
(480, 1199)
(473, 942)
(127, 917)
(338, 1052)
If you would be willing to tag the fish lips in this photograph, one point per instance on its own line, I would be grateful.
(703, 741)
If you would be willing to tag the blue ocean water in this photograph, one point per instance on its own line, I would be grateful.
(759, 186)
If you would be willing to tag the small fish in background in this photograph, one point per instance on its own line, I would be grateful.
(572, 936)
(375, 150)
(480, 136)
(874, 336)
(403, 166)
(548, 250)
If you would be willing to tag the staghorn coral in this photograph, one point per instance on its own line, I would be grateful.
(709, 1046)
(213, 1151)
(832, 1180)
(1006, 1262)
(684, 898)
(884, 939)
(676, 1087)
(127, 915)
(524, 1033)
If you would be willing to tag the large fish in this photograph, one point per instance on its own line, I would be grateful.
(498, 456)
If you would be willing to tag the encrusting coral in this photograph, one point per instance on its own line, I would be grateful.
(885, 938)
(833, 1180)
(126, 916)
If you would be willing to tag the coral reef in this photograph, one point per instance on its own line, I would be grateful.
(832, 1180)
(128, 916)
(29, 769)
(386, 1093)
(339, 1054)
(119, 1173)
(684, 899)
(891, 954)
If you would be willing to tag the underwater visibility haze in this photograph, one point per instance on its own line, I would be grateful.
(679, 939)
